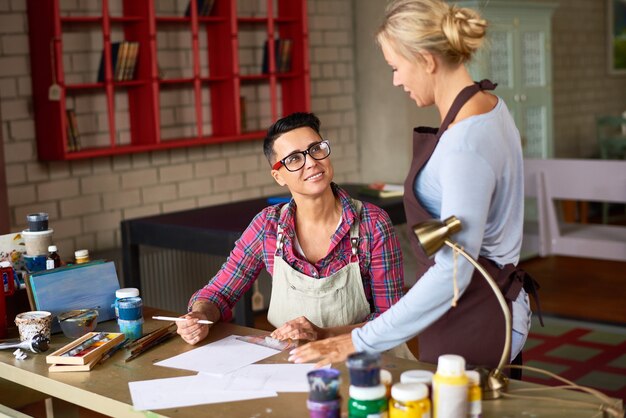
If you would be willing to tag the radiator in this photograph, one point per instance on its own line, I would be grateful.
(170, 277)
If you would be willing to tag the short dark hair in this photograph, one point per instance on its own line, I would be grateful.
(287, 124)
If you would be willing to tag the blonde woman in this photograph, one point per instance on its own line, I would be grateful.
(470, 167)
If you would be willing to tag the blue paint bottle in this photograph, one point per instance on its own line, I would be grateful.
(130, 317)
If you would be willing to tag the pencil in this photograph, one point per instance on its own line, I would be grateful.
(173, 319)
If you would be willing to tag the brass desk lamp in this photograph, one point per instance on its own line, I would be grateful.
(432, 235)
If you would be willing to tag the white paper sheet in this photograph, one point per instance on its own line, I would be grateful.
(220, 357)
(185, 391)
(279, 377)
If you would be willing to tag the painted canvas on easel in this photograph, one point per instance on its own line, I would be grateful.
(80, 286)
(616, 14)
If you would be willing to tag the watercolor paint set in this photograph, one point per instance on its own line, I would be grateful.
(86, 349)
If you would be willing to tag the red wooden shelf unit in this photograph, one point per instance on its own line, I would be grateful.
(203, 72)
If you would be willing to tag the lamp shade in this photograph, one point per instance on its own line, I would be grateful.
(433, 233)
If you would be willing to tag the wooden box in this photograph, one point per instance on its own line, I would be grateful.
(85, 349)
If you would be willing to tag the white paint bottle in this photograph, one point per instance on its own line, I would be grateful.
(450, 385)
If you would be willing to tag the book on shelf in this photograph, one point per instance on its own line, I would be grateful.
(382, 190)
(129, 72)
(204, 7)
(73, 136)
(123, 61)
(282, 56)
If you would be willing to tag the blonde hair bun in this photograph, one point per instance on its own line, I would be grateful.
(452, 32)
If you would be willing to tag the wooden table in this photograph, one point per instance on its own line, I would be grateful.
(105, 388)
(212, 230)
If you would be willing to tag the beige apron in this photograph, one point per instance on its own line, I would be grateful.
(333, 301)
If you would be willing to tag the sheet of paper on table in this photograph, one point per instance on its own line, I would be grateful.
(220, 357)
(284, 377)
(185, 391)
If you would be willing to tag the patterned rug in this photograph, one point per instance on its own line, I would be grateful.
(592, 355)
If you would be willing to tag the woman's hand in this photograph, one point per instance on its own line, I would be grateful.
(190, 331)
(299, 329)
(330, 350)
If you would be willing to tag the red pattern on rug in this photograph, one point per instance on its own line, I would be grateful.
(577, 368)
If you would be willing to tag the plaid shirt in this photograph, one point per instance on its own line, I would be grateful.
(380, 258)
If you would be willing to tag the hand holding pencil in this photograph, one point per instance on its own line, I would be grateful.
(193, 327)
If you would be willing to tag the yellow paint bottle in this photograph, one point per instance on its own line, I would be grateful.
(450, 385)
(409, 400)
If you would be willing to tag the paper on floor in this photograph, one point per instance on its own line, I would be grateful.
(220, 357)
(185, 391)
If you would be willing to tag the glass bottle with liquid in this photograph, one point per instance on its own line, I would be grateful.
(54, 259)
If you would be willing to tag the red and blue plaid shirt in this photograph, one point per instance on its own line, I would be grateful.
(380, 258)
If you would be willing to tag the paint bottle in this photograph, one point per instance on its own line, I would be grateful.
(368, 402)
(474, 395)
(387, 380)
(324, 400)
(417, 376)
(324, 409)
(450, 387)
(81, 256)
(364, 369)
(409, 400)
(130, 317)
(127, 292)
(54, 259)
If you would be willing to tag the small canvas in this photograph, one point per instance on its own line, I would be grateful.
(80, 286)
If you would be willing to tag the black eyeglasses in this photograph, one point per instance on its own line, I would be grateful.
(295, 161)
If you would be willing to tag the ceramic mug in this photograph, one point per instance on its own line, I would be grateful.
(33, 322)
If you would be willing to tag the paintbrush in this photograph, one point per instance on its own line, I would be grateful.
(112, 351)
(153, 343)
(148, 337)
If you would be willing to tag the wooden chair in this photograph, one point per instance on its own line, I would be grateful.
(580, 180)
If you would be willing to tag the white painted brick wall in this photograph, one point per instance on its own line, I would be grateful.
(87, 199)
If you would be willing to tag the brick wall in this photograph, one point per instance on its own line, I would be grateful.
(87, 199)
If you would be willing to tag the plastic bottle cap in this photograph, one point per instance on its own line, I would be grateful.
(406, 392)
(127, 292)
(417, 376)
(385, 377)
(369, 393)
(52, 248)
(81, 253)
(451, 365)
(473, 376)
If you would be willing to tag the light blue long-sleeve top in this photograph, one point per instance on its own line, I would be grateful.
(476, 174)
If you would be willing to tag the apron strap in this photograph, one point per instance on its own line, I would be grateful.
(354, 229)
(461, 99)
(279, 230)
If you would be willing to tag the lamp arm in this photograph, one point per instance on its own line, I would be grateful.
(505, 309)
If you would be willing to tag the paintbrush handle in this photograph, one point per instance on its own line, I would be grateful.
(151, 336)
(140, 350)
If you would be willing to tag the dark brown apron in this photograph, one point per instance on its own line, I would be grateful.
(474, 328)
